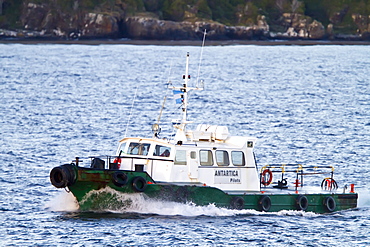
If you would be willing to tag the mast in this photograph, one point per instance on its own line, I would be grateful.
(184, 90)
(180, 125)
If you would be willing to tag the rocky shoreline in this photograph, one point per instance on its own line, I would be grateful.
(43, 22)
(183, 42)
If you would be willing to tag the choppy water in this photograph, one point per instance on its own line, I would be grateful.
(305, 104)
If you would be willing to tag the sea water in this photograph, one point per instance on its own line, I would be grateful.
(305, 104)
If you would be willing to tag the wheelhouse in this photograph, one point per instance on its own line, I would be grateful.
(227, 164)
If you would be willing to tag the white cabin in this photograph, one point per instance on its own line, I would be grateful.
(210, 157)
(206, 156)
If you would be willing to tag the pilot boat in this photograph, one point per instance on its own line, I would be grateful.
(203, 166)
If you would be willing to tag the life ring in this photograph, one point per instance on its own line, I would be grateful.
(330, 204)
(265, 203)
(265, 181)
(119, 179)
(118, 162)
(63, 176)
(237, 202)
(139, 184)
(302, 203)
(329, 184)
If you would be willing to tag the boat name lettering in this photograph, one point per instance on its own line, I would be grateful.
(226, 173)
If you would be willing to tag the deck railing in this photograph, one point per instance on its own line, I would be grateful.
(300, 171)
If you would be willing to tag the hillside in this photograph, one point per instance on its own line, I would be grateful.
(186, 19)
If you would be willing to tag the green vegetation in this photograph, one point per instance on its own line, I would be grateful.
(229, 12)
(11, 13)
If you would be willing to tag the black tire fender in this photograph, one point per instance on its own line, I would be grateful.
(264, 203)
(237, 202)
(329, 204)
(63, 176)
(139, 184)
(302, 202)
(119, 179)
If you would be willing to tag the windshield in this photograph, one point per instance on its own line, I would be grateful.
(136, 148)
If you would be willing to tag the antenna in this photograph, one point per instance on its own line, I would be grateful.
(201, 55)
(155, 127)
(161, 111)
(132, 106)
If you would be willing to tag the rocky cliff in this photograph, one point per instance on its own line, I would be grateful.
(185, 19)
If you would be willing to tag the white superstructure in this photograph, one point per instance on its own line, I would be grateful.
(206, 156)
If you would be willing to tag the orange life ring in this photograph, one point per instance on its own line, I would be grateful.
(118, 162)
(265, 181)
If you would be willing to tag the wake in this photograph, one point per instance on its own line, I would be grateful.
(140, 204)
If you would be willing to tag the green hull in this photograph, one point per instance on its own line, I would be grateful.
(84, 183)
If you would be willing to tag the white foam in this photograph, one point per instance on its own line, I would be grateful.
(363, 198)
(139, 203)
(296, 213)
(63, 202)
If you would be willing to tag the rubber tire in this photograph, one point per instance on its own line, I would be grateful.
(63, 176)
(119, 179)
(237, 202)
(302, 203)
(264, 203)
(330, 204)
(139, 184)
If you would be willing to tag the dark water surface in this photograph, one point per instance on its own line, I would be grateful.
(306, 104)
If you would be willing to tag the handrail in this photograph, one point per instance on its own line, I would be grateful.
(161, 158)
(299, 169)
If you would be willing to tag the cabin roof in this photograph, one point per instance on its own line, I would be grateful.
(231, 142)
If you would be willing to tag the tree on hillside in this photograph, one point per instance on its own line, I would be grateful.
(296, 6)
(203, 10)
(222, 11)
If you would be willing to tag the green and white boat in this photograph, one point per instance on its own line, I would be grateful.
(202, 166)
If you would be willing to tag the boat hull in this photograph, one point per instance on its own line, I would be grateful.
(89, 186)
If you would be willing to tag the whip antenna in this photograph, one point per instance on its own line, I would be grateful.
(155, 127)
(132, 106)
(201, 55)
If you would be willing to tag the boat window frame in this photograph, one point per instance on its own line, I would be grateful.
(140, 146)
(222, 162)
(233, 160)
(193, 155)
(124, 144)
(180, 162)
(160, 152)
(210, 159)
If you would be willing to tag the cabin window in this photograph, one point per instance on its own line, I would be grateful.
(136, 148)
(237, 157)
(222, 158)
(122, 148)
(206, 158)
(180, 157)
(162, 151)
(193, 155)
